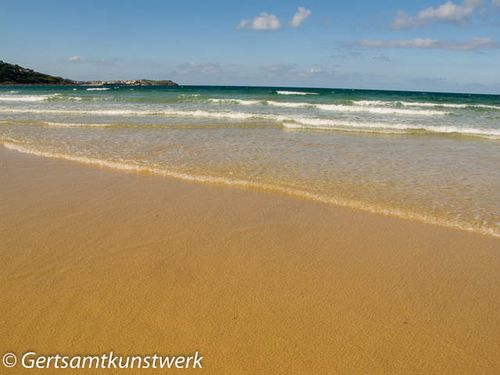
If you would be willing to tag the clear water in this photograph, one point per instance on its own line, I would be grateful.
(424, 156)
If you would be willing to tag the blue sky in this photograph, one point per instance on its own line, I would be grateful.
(434, 45)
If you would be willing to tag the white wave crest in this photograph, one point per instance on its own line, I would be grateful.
(379, 110)
(388, 128)
(432, 105)
(358, 108)
(374, 103)
(233, 101)
(289, 104)
(75, 125)
(486, 106)
(98, 89)
(127, 112)
(25, 98)
(285, 92)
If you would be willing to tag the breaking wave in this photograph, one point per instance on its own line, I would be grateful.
(26, 98)
(130, 112)
(374, 103)
(336, 107)
(285, 92)
(233, 101)
(76, 125)
(388, 128)
(290, 122)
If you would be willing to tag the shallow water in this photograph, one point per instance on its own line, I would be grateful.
(424, 156)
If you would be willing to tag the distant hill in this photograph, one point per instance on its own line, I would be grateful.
(15, 75)
(11, 74)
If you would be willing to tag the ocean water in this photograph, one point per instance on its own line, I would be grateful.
(429, 157)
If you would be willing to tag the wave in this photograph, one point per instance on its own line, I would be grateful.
(388, 128)
(298, 123)
(98, 88)
(288, 104)
(145, 126)
(379, 110)
(284, 92)
(172, 113)
(335, 107)
(263, 102)
(433, 105)
(233, 101)
(133, 167)
(423, 104)
(357, 108)
(75, 125)
(376, 103)
(290, 122)
(25, 98)
(37, 98)
(487, 106)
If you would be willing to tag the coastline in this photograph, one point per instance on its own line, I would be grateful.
(99, 260)
(256, 186)
(367, 148)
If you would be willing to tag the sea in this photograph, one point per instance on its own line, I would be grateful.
(423, 156)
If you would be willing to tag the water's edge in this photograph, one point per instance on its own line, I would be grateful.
(243, 184)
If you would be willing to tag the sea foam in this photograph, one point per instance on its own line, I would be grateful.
(233, 101)
(285, 92)
(336, 107)
(375, 103)
(26, 98)
(388, 128)
(292, 121)
(247, 184)
(76, 125)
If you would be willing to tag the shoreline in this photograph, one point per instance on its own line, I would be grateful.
(97, 259)
(249, 185)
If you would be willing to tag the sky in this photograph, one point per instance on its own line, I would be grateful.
(428, 45)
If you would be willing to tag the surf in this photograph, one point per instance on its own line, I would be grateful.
(248, 184)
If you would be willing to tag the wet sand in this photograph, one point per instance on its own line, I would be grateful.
(95, 260)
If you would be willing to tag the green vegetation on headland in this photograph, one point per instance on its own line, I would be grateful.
(11, 74)
(17, 75)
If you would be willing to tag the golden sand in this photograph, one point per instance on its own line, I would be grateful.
(95, 260)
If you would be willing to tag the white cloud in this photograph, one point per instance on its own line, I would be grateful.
(447, 12)
(300, 16)
(75, 58)
(263, 22)
(470, 45)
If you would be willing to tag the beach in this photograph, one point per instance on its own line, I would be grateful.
(96, 259)
(427, 157)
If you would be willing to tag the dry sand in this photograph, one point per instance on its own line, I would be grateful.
(94, 260)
